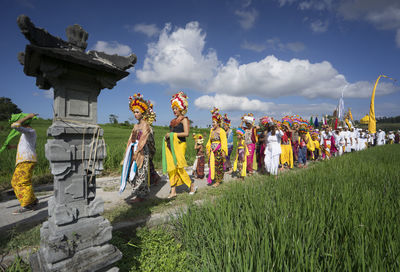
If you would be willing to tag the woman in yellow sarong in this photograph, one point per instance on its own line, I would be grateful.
(217, 149)
(240, 164)
(286, 158)
(174, 146)
(25, 160)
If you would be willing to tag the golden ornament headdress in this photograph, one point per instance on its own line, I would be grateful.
(179, 100)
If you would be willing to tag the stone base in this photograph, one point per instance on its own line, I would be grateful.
(90, 259)
(80, 246)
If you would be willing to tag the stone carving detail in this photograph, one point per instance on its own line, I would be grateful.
(75, 237)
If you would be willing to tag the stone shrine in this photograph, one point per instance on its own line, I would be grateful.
(75, 237)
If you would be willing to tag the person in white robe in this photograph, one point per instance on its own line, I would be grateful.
(272, 149)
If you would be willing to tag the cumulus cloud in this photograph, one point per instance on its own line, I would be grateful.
(232, 103)
(149, 30)
(246, 3)
(179, 60)
(257, 47)
(247, 18)
(244, 104)
(295, 46)
(113, 48)
(316, 5)
(318, 26)
(273, 44)
(271, 77)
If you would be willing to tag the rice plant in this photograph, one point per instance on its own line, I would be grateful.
(339, 215)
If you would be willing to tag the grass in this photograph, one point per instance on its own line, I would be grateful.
(340, 215)
(151, 250)
(337, 215)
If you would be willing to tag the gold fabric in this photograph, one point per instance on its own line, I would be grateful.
(177, 173)
(22, 183)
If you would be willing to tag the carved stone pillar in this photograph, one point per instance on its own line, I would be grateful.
(75, 237)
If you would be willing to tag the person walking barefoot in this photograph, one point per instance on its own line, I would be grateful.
(174, 146)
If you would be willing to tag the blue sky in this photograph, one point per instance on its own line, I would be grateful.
(269, 57)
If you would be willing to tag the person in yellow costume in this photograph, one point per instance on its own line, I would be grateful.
(317, 151)
(286, 158)
(174, 146)
(240, 164)
(217, 149)
(25, 161)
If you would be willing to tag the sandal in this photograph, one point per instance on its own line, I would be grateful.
(171, 196)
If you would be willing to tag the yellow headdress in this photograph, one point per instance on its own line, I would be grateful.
(179, 100)
(198, 138)
(137, 102)
(216, 115)
(151, 115)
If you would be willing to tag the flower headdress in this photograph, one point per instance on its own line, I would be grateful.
(137, 102)
(288, 121)
(216, 115)
(151, 115)
(249, 118)
(240, 131)
(226, 120)
(303, 128)
(198, 138)
(179, 100)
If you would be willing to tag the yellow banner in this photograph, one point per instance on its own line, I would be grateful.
(372, 120)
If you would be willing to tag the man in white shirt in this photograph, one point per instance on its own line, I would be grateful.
(339, 140)
(348, 140)
(391, 137)
(380, 137)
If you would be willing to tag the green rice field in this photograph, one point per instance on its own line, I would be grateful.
(339, 215)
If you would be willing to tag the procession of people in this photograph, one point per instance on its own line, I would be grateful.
(268, 146)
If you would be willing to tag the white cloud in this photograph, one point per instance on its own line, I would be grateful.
(295, 46)
(318, 26)
(273, 44)
(388, 18)
(246, 3)
(316, 5)
(257, 47)
(178, 59)
(284, 2)
(113, 48)
(243, 104)
(149, 30)
(271, 77)
(247, 18)
(35, 94)
(232, 103)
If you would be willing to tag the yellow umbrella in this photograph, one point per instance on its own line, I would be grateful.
(364, 120)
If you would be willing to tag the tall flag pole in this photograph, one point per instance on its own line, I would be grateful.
(372, 119)
(341, 106)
